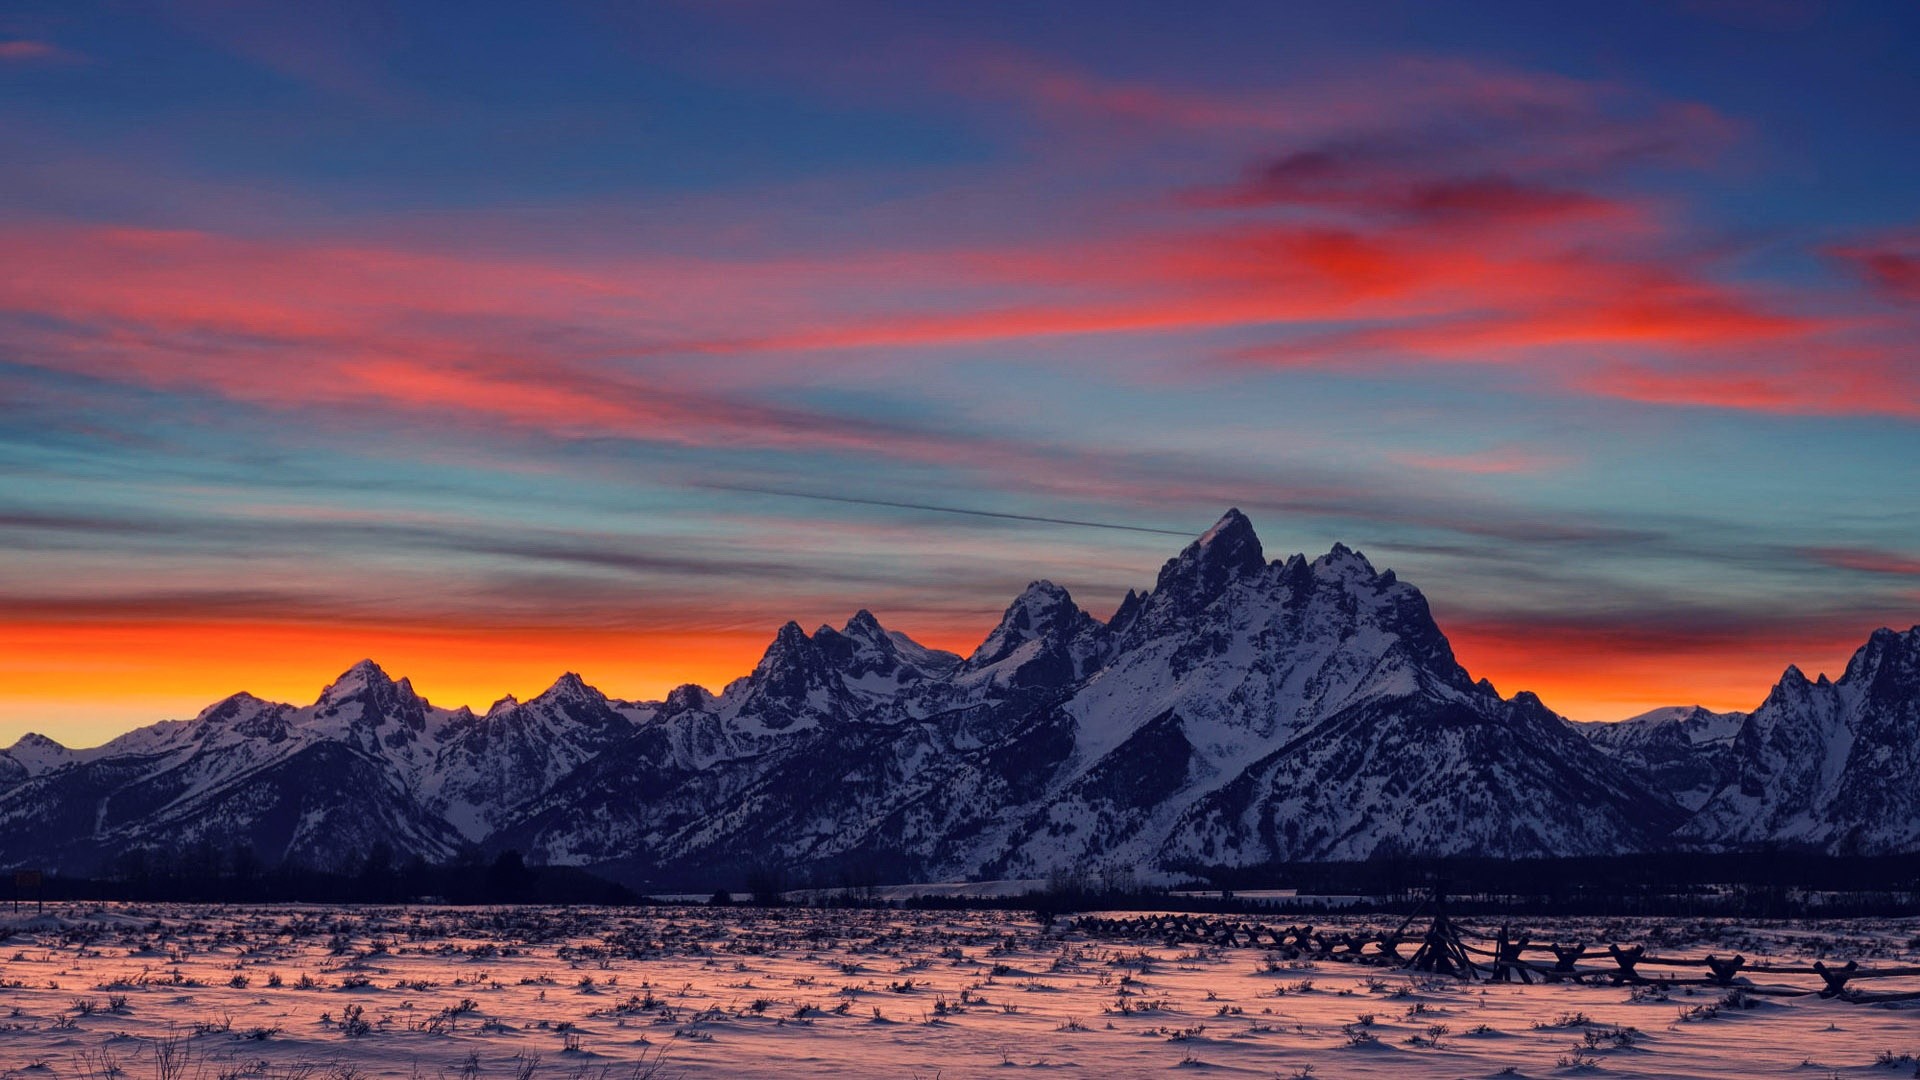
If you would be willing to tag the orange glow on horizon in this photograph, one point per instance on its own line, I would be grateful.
(83, 684)
(1594, 675)
(126, 667)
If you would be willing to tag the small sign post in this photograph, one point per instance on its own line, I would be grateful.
(29, 881)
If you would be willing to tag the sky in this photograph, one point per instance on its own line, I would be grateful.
(495, 341)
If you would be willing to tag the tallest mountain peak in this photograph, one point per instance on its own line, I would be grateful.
(1230, 543)
(359, 677)
(1230, 523)
(1224, 553)
(366, 681)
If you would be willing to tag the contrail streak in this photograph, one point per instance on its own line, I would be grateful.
(944, 509)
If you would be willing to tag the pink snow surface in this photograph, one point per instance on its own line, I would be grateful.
(128, 992)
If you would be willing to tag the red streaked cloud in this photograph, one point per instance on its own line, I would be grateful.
(1482, 224)
(1812, 381)
(1572, 119)
(1866, 560)
(1889, 261)
(298, 325)
(21, 50)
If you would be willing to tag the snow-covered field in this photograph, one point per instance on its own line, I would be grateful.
(178, 992)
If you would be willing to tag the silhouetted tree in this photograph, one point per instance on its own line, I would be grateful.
(766, 883)
(507, 879)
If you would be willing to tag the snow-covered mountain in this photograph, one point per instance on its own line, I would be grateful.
(1687, 750)
(1302, 709)
(30, 756)
(1832, 765)
(1241, 711)
(369, 762)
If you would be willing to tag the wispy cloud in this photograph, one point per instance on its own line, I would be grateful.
(1890, 261)
(27, 50)
(1866, 560)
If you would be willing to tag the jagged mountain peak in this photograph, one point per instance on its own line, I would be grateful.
(242, 715)
(1828, 763)
(791, 654)
(1887, 653)
(31, 754)
(1233, 528)
(231, 705)
(1225, 553)
(798, 682)
(1043, 639)
(799, 662)
(1694, 725)
(1342, 563)
(570, 687)
(33, 741)
(1041, 610)
(864, 626)
(363, 677)
(687, 697)
(861, 631)
(876, 660)
(366, 694)
(1041, 594)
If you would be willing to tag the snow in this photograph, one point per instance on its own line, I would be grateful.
(38, 754)
(1700, 725)
(260, 993)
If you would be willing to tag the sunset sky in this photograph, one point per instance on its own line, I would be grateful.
(494, 341)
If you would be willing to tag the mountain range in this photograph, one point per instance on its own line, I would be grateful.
(1240, 712)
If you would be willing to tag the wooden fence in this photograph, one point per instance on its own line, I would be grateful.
(1448, 948)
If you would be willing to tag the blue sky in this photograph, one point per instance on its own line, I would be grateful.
(498, 340)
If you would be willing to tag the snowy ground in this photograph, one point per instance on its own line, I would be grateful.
(312, 993)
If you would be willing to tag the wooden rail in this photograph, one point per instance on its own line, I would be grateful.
(1442, 949)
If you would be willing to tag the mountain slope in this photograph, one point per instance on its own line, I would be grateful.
(1826, 764)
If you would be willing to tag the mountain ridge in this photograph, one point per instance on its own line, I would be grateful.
(1240, 712)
